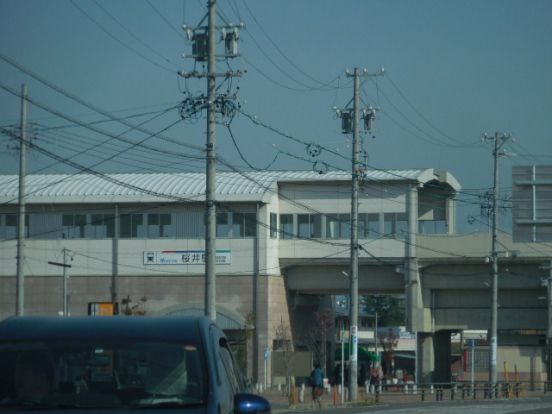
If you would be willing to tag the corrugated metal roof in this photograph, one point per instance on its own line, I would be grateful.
(186, 186)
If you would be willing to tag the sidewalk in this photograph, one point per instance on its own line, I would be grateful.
(280, 401)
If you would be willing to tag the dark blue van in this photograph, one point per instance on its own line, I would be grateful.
(119, 364)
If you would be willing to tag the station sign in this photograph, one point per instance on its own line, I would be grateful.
(185, 257)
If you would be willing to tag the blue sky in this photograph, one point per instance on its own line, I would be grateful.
(454, 70)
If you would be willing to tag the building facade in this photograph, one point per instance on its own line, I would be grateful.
(283, 243)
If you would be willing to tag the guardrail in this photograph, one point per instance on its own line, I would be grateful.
(461, 390)
(409, 393)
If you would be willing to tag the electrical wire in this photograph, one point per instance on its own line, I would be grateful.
(79, 101)
(427, 121)
(256, 121)
(239, 151)
(88, 126)
(425, 136)
(46, 118)
(279, 50)
(107, 115)
(120, 42)
(139, 153)
(103, 121)
(169, 24)
(131, 34)
(82, 168)
(73, 97)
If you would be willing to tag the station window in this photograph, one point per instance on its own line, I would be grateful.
(432, 226)
(243, 225)
(130, 224)
(344, 226)
(368, 226)
(309, 225)
(395, 225)
(11, 221)
(159, 225)
(223, 225)
(273, 225)
(286, 226)
(102, 226)
(73, 225)
(338, 226)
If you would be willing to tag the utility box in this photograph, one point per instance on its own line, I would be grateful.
(199, 47)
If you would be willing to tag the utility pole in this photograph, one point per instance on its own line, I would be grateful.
(20, 288)
(548, 284)
(500, 140)
(350, 123)
(204, 49)
(353, 280)
(210, 208)
(66, 254)
(549, 331)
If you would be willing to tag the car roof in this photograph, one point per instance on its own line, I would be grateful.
(166, 328)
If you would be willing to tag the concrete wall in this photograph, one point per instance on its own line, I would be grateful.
(328, 198)
(43, 294)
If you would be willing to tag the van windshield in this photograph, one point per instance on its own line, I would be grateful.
(106, 374)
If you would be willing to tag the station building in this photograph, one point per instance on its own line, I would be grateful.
(283, 244)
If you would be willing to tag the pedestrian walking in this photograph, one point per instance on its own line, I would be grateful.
(317, 383)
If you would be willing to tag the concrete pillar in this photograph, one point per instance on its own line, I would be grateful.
(411, 277)
(415, 313)
(451, 215)
(425, 364)
(442, 349)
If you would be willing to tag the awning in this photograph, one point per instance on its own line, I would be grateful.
(363, 353)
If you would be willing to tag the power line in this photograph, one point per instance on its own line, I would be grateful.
(425, 135)
(77, 165)
(307, 75)
(116, 39)
(111, 137)
(256, 121)
(45, 118)
(133, 35)
(81, 102)
(438, 130)
(169, 24)
(103, 121)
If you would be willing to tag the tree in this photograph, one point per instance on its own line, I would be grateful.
(388, 342)
(390, 309)
(282, 343)
(316, 337)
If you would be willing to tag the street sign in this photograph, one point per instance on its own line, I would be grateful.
(354, 343)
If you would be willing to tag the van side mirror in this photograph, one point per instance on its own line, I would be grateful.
(250, 404)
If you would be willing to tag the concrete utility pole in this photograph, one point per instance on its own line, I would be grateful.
(115, 257)
(351, 124)
(548, 283)
(210, 208)
(204, 49)
(549, 332)
(20, 288)
(66, 254)
(353, 280)
(500, 140)
(65, 281)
